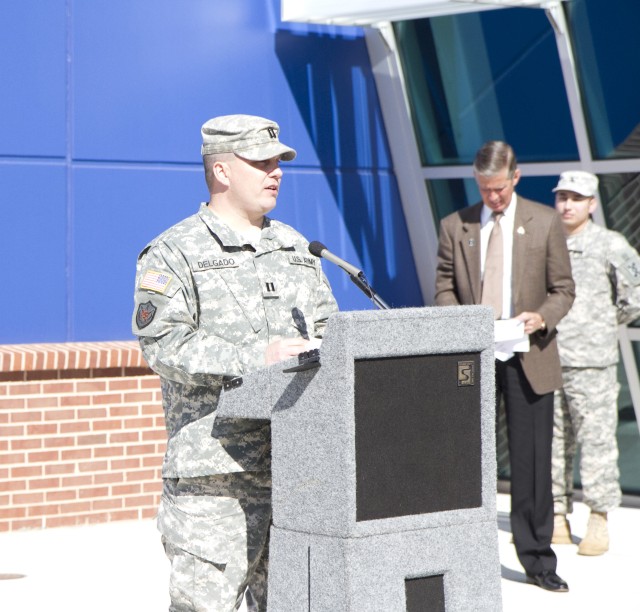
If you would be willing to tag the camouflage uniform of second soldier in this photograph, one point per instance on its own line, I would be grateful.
(207, 306)
(606, 270)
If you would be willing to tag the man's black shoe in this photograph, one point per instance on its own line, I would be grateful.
(548, 580)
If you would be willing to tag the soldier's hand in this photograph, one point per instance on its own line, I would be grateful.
(282, 349)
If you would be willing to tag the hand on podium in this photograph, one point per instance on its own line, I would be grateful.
(284, 348)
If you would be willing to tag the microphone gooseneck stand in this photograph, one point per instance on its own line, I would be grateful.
(357, 276)
(361, 282)
(311, 359)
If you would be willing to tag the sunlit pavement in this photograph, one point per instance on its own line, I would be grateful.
(121, 567)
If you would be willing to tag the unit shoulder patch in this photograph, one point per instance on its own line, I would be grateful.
(631, 269)
(145, 314)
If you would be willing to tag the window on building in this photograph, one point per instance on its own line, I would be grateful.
(493, 75)
(605, 38)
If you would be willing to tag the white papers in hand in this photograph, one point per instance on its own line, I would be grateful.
(510, 338)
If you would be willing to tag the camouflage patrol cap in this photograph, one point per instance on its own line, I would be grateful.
(249, 137)
(578, 181)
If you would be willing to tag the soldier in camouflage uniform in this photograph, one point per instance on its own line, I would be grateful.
(224, 292)
(606, 271)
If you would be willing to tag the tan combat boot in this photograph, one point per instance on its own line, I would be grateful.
(596, 540)
(561, 530)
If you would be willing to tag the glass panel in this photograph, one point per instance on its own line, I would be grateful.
(620, 198)
(538, 188)
(605, 39)
(628, 434)
(449, 195)
(493, 75)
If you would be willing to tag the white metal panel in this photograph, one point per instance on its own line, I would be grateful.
(367, 12)
(423, 236)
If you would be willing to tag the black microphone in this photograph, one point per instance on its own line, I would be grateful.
(319, 250)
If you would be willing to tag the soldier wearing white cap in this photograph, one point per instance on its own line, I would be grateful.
(606, 271)
(222, 293)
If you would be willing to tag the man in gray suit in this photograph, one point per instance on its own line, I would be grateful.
(534, 287)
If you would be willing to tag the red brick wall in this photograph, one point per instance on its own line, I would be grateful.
(81, 435)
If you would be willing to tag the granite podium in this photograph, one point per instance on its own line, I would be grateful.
(383, 461)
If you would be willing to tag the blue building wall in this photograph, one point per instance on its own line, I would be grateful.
(100, 117)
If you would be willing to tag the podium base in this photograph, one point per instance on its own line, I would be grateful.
(456, 567)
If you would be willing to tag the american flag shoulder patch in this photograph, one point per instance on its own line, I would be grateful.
(155, 281)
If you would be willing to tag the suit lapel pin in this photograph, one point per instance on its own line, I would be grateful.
(472, 242)
(520, 230)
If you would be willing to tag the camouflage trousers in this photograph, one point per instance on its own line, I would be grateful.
(215, 531)
(586, 414)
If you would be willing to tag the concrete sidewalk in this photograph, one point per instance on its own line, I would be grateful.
(121, 566)
(608, 583)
